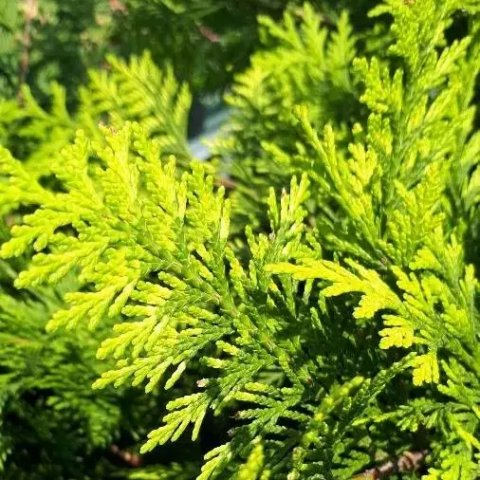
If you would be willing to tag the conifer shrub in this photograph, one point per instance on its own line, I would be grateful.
(302, 306)
(208, 41)
(52, 40)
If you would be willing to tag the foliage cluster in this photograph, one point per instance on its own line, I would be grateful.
(208, 41)
(304, 305)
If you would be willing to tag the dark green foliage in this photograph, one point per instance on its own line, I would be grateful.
(51, 40)
(209, 40)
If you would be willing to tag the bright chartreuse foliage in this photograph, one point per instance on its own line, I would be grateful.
(315, 322)
(136, 91)
(165, 263)
(300, 64)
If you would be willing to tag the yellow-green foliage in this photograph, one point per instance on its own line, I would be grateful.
(335, 329)
(301, 63)
(126, 91)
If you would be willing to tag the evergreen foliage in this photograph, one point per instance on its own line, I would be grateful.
(315, 322)
(51, 40)
(45, 385)
(136, 91)
(301, 63)
(209, 41)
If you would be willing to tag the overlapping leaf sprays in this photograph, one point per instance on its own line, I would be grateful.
(345, 334)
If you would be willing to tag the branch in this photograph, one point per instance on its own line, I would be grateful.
(30, 11)
(131, 459)
(117, 6)
(209, 34)
(225, 182)
(408, 462)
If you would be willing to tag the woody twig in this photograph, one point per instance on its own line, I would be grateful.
(408, 462)
(30, 12)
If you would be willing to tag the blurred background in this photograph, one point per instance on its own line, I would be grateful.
(206, 41)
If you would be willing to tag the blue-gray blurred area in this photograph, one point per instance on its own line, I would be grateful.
(206, 120)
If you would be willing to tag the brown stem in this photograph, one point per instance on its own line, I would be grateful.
(408, 462)
(117, 6)
(225, 182)
(30, 11)
(131, 459)
(209, 34)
